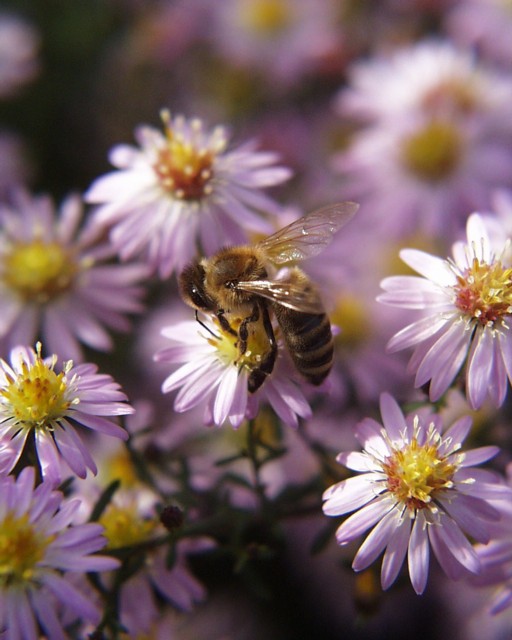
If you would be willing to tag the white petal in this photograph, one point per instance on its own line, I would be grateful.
(429, 266)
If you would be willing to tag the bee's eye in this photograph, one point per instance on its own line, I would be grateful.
(231, 284)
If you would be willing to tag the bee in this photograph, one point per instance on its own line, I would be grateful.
(243, 285)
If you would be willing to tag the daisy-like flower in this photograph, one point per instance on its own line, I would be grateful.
(285, 38)
(467, 308)
(38, 545)
(431, 76)
(416, 490)
(437, 138)
(213, 371)
(181, 187)
(40, 403)
(127, 525)
(55, 283)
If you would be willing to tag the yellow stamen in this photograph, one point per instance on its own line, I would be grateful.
(433, 153)
(266, 16)
(415, 473)
(125, 527)
(37, 395)
(185, 166)
(484, 292)
(39, 270)
(21, 549)
(227, 345)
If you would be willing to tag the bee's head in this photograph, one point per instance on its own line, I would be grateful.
(192, 287)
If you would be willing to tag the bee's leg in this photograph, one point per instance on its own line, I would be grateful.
(224, 323)
(258, 376)
(243, 333)
(205, 326)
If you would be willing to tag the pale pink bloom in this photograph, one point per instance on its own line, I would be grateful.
(183, 187)
(431, 76)
(436, 140)
(39, 546)
(415, 490)
(39, 403)
(285, 38)
(57, 282)
(466, 305)
(19, 53)
(211, 375)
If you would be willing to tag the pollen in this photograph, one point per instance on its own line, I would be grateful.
(39, 271)
(125, 527)
(266, 16)
(227, 345)
(185, 163)
(484, 292)
(37, 395)
(433, 152)
(417, 472)
(21, 549)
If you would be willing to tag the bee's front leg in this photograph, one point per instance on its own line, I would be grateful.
(258, 376)
(224, 323)
(243, 332)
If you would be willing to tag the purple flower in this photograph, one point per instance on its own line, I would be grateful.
(54, 282)
(286, 39)
(130, 519)
(467, 310)
(216, 374)
(437, 138)
(37, 544)
(416, 490)
(38, 402)
(180, 187)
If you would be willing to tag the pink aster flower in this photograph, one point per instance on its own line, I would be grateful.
(466, 303)
(131, 522)
(38, 545)
(496, 558)
(38, 403)
(284, 38)
(213, 372)
(181, 187)
(416, 490)
(437, 138)
(55, 282)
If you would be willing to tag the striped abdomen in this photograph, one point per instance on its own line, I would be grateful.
(309, 340)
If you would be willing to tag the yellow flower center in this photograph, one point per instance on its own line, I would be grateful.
(484, 292)
(184, 166)
(351, 316)
(37, 395)
(415, 473)
(227, 345)
(266, 16)
(21, 549)
(433, 153)
(125, 527)
(39, 270)
(120, 467)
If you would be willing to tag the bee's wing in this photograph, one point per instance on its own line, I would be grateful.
(288, 294)
(307, 236)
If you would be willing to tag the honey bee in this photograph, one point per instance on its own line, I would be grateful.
(241, 285)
